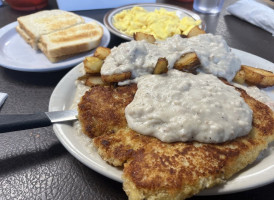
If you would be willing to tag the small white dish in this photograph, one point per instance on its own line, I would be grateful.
(259, 173)
(16, 54)
(181, 12)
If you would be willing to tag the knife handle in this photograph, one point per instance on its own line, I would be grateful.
(23, 121)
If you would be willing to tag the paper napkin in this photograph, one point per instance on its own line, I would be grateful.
(73, 5)
(254, 13)
(3, 97)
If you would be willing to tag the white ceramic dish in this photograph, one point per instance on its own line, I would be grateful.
(16, 54)
(181, 12)
(261, 172)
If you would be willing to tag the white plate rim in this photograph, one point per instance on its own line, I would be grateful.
(22, 66)
(236, 184)
(108, 16)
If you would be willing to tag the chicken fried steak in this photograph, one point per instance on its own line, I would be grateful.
(154, 169)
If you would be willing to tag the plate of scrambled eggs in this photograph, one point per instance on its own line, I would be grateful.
(160, 20)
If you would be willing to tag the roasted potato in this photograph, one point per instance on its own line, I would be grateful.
(84, 77)
(183, 36)
(188, 62)
(195, 31)
(102, 52)
(161, 66)
(94, 80)
(114, 78)
(91, 80)
(93, 65)
(144, 36)
(258, 77)
(240, 77)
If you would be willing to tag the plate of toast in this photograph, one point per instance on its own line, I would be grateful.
(50, 40)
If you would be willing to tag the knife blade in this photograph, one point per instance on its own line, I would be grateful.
(15, 122)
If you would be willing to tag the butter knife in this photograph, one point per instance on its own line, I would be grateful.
(15, 122)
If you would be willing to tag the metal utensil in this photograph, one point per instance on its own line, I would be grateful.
(15, 122)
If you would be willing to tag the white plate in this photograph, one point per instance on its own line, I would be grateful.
(180, 12)
(16, 54)
(261, 172)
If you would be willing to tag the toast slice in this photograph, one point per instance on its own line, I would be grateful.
(32, 27)
(68, 42)
(26, 37)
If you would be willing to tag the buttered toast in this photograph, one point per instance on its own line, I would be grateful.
(32, 27)
(70, 41)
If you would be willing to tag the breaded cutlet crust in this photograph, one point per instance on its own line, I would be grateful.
(158, 170)
(101, 109)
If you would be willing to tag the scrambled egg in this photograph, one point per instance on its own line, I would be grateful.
(160, 23)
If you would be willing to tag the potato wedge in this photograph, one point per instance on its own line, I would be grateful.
(195, 31)
(240, 77)
(258, 77)
(93, 65)
(114, 78)
(94, 80)
(83, 78)
(102, 52)
(144, 36)
(161, 66)
(188, 62)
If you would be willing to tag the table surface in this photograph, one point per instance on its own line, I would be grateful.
(35, 165)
